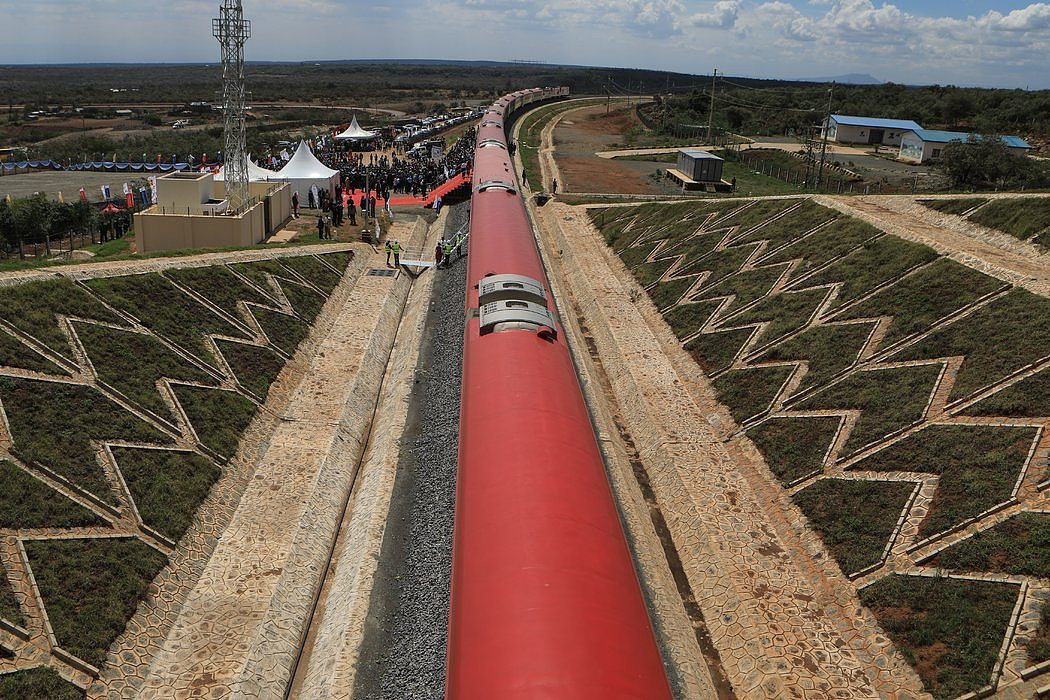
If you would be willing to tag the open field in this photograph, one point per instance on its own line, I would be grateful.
(893, 392)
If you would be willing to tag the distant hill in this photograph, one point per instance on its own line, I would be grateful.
(848, 79)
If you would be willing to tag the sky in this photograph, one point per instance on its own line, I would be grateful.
(1004, 43)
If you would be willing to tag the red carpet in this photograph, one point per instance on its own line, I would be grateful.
(406, 201)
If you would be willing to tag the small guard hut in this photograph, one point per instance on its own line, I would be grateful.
(700, 166)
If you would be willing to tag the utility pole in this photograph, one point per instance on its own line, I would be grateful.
(824, 145)
(711, 115)
(608, 97)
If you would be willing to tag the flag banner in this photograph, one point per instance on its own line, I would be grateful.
(130, 198)
(153, 188)
(144, 196)
(106, 195)
(83, 195)
(127, 188)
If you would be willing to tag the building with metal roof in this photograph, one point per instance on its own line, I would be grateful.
(922, 145)
(843, 128)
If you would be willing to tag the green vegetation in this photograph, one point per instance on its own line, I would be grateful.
(925, 297)
(854, 518)
(306, 302)
(258, 273)
(889, 400)
(648, 273)
(795, 448)
(41, 682)
(686, 319)
(14, 353)
(54, 424)
(716, 351)
(720, 264)
(167, 486)
(219, 286)
(637, 255)
(1026, 219)
(162, 308)
(827, 349)
(985, 162)
(668, 293)
(997, 340)
(9, 607)
(834, 240)
(1019, 545)
(751, 214)
(285, 332)
(692, 247)
(133, 363)
(91, 587)
(256, 368)
(978, 467)
(31, 308)
(218, 417)
(949, 630)
(339, 260)
(782, 313)
(745, 287)
(788, 228)
(28, 503)
(957, 207)
(314, 271)
(1028, 398)
(749, 392)
(875, 263)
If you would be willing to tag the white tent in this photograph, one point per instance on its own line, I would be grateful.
(304, 171)
(354, 132)
(256, 173)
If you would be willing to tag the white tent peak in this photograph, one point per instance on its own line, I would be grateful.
(304, 165)
(354, 132)
(256, 173)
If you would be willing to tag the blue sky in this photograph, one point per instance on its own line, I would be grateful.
(963, 42)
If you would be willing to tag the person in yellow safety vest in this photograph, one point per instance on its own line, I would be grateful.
(389, 249)
(449, 247)
(397, 249)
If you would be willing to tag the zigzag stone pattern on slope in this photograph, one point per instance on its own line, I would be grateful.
(113, 438)
(871, 363)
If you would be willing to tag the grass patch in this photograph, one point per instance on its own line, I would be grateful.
(950, 631)
(854, 518)
(956, 207)
(789, 227)
(925, 297)
(258, 273)
(256, 368)
(161, 307)
(133, 363)
(1028, 398)
(1021, 218)
(828, 350)
(54, 425)
(340, 260)
(716, 351)
(783, 313)
(978, 467)
(314, 271)
(28, 503)
(692, 247)
(41, 682)
(668, 293)
(219, 286)
(10, 610)
(91, 588)
(794, 448)
(167, 486)
(875, 263)
(997, 340)
(15, 353)
(686, 319)
(648, 273)
(750, 183)
(637, 255)
(31, 308)
(218, 417)
(282, 330)
(747, 217)
(834, 240)
(1019, 545)
(306, 302)
(720, 264)
(889, 400)
(749, 392)
(745, 287)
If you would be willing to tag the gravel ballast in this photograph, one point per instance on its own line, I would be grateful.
(403, 655)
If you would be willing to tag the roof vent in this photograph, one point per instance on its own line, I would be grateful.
(506, 287)
(496, 185)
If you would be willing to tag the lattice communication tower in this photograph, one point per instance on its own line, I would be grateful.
(232, 31)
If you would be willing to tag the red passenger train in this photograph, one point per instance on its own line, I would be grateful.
(545, 599)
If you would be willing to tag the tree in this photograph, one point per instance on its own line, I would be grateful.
(31, 219)
(983, 161)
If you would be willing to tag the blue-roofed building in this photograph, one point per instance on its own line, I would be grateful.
(868, 130)
(922, 145)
